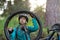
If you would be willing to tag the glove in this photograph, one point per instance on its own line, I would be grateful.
(10, 30)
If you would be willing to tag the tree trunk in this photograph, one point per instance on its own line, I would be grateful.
(52, 12)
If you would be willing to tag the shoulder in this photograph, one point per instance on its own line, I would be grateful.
(15, 28)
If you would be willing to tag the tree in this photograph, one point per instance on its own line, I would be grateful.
(18, 5)
(21, 5)
(52, 12)
(1, 6)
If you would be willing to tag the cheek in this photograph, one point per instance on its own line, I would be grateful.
(20, 21)
(24, 21)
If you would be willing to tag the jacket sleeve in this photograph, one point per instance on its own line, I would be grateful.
(34, 27)
(13, 34)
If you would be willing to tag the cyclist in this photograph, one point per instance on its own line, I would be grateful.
(22, 32)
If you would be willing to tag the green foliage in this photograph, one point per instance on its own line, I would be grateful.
(18, 5)
(41, 14)
(21, 5)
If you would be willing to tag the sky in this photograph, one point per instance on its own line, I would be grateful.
(33, 4)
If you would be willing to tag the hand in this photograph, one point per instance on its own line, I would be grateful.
(10, 30)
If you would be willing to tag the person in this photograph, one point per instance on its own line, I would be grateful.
(22, 32)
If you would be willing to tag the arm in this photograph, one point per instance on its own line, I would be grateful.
(34, 27)
(13, 34)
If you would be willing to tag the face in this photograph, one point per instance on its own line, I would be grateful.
(22, 20)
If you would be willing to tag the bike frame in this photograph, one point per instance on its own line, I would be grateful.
(49, 37)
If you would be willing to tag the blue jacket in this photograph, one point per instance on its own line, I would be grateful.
(21, 33)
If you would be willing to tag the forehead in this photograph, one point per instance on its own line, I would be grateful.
(22, 18)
